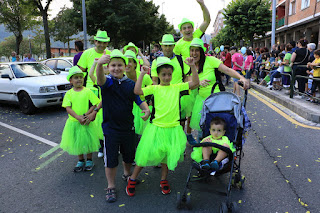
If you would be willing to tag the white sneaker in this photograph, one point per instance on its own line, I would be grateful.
(298, 96)
(100, 154)
(270, 87)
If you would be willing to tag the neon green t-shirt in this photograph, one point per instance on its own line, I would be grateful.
(197, 151)
(86, 61)
(79, 101)
(183, 47)
(208, 73)
(166, 103)
(177, 71)
(287, 68)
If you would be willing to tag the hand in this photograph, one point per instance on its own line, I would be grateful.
(139, 52)
(145, 70)
(91, 117)
(207, 140)
(245, 82)
(146, 114)
(96, 60)
(189, 61)
(201, 2)
(204, 83)
(82, 119)
(105, 59)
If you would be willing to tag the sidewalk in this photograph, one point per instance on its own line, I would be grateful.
(305, 109)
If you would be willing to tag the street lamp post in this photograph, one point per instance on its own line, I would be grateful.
(162, 7)
(273, 34)
(29, 37)
(84, 18)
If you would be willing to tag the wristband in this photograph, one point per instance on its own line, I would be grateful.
(96, 109)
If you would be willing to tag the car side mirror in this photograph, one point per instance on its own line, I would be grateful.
(67, 69)
(57, 72)
(6, 76)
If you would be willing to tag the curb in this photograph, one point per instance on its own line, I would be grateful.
(301, 107)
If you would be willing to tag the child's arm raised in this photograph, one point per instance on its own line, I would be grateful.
(138, 86)
(101, 78)
(91, 72)
(145, 60)
(80, 118)
(194, 83)
(206, 16)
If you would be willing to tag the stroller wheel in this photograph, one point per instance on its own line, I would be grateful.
(179, 201)
(223, 208)
(233, 207)
(188, 201)
(241, 182)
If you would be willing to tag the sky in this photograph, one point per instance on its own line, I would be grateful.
(174, 10)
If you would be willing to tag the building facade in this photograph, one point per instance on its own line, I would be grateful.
(218, 23)
(296, 19)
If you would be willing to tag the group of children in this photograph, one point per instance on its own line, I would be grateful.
(123, 92)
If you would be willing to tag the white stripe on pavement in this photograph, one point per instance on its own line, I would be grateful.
(29, 134)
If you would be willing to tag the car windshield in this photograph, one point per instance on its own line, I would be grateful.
(31, 70)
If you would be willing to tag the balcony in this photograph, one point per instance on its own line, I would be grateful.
(280, 22)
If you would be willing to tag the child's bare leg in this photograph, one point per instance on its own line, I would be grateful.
(206, 152)
(221, 154)
(188, 125)
(89, 156)
(164, 171)
(111, 176)
(80, 157)
(126, 168)
(136, 172)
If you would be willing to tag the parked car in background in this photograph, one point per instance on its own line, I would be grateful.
(32, 85)
(59, 65)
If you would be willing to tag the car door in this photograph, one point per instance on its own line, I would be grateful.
(6, 84)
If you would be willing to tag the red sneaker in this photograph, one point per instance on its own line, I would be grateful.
(165, 187)
(131, 187)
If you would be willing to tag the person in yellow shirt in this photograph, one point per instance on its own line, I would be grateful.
(186, 28)
(316, 74)
(143, 61)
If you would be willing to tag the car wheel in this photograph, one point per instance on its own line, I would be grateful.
(26, 104)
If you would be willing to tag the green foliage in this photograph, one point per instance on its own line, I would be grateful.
(125, 21)
(226, 36)
(248, 18)
(17, 16)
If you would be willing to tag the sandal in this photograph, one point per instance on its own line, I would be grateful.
(111, 195)
(126, 178)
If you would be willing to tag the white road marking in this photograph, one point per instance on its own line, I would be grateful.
(29, 134)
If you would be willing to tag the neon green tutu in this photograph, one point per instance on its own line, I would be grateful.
(161, 145)
(79, 139)
(187, 102)
(99, 120)
(196, 116)
(139, 123)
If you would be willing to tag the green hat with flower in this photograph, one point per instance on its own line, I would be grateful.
(118, 54)
(102, 36)
(197, 42)
(184, 21)
(75, 70)
(167, 39)
(131, 45)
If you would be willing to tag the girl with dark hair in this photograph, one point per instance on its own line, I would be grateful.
(248, 64)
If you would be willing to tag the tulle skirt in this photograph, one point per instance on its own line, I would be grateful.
(80, 139)
(99, 120)
(161, 145)
(187, 102)
(196, 116)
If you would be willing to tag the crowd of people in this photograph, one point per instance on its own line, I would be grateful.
(121, 102)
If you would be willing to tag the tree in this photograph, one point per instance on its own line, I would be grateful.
(226, 36)
(248, 18)
(8, 44)
(17, 16)
(38, 40)
(135, 20)
(44, 14)
(64, 27)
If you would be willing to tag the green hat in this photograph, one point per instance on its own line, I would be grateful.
(118, 54)
(197, 42)
(130, 45)
(167, 39)
(74, 70)
(102, 36)
(184, 21)
(130, 54)
(163, 60)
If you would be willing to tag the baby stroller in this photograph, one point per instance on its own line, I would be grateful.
(228, 106)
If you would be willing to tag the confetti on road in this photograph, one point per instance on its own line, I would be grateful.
(279, 149)
(279, 156)
(122, 205)
(287, 181)
(31, 150)
(297, 165)
(142, 181)
(309, 180)
(240, 201)
(146, 173)
(49, 133)
(31, 181)
(286, 147)
(264, 136)
(2, 156)
(279, 127)
(91, 175)
(92, 196)
(288, 166)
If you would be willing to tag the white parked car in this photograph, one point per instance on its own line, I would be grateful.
(32, 85)
(59, 65)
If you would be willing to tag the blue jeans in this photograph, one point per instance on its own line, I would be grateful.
(273, 74)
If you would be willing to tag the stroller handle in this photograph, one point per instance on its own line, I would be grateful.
(215, 145)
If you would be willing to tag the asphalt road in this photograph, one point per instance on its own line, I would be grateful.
(281, 164)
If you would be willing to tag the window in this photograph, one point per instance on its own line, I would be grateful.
(305, 4)
(62, 65)
(5, 70)
(292, 8)
(51, 64)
